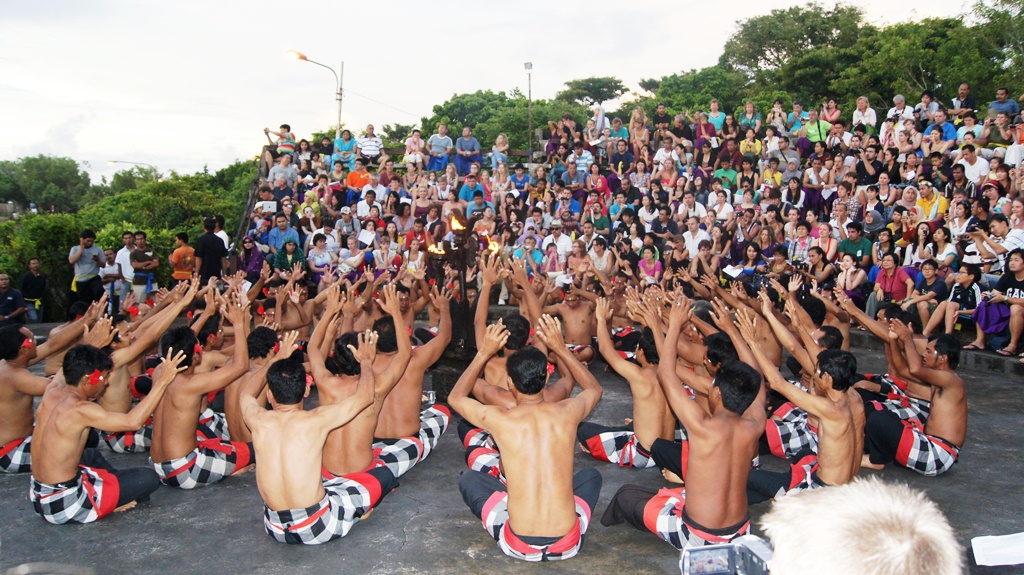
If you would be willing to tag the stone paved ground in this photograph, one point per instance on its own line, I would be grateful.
(425, 527)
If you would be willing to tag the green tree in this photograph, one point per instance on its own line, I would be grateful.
(909, 57)
(1002, 29)
(49, 238)
(395, 134)
(591, 91)
(694, 90)
(44, 180)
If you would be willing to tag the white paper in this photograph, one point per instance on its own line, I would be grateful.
(733, 271)
(999, 549)
(366, 237)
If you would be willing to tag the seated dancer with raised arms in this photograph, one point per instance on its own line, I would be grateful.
(70, 482)
(180, 458)
(403, 429)
(18, 351)
(349, 448)
(542, 511)
(301, 507)
(712, 508)
(493, 388)
(127, 348)
(577, 313)
(932, 448)
(630, 445)
(835, 409)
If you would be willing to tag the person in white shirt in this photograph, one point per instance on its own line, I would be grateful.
(693, 236)
(375, 186)
(975, 169)
(666, 154)
(562, 242)
(369, 200)
(123, 259)
(900, 111)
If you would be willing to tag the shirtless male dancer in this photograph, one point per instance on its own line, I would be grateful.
(18, 350)
(126, 352)
(933, 448)
(300, 507)
(542, 511)
(263, 345)
(835, 409)
(712, 508)
(177, 455)
(75, 484)
(349, 448)
(401, 422)
(578, 316)
(630, 445)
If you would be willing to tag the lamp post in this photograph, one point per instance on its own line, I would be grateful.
(338, 78)
(150, 166)
(529, 107)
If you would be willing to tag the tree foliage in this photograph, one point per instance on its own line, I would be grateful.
(492, 113)
(591, 91)
(45, 181)
(1002, 30)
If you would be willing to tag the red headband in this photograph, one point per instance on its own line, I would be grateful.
(277, 346)
(261, 311)
(133, 310)
(95, 377)
(198, 349)
(551, 368)
(212, 336)
(28, 342)
(189, 314)
(149, 302)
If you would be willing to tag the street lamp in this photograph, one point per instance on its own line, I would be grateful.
(529, 106)
(337, 78)
(112, 162)
(156, 175)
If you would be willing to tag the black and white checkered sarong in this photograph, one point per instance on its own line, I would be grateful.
(16, 457)
(401, 454)
(86, 498)
(210, 462)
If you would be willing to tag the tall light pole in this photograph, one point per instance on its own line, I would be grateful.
(150, 166)
(338, 78)
(529, 107)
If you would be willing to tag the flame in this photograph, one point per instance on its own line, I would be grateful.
(457, 225)
(493, 246)
(434, 249)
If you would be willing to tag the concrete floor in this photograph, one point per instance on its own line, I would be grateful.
(425, 527)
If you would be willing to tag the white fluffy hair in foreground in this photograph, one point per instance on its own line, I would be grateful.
(867, 527)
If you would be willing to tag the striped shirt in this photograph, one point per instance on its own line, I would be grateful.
(369, 146)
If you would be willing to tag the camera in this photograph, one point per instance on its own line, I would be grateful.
(747, 555)
(800, 266)
(973, 227)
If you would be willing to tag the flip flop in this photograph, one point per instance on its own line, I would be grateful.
(971, 347)
(1005, 353)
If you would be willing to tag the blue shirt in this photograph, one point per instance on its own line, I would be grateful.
(799, 121)
(574, 206)
(948, 131)
(466, 192)
(580, 179)
(520, 184)
(583, 161)
(1008, 107)
(276, 238)
(535, 255)
(622, 133)
(470, 144)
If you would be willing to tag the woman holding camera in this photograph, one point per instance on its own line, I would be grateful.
(893, 284)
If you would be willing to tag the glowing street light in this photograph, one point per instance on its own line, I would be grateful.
(337, 78)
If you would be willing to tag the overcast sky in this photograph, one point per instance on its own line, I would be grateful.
(188, 83)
